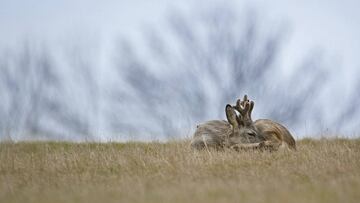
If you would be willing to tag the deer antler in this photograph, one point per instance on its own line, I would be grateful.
(245, 108)
(240, 105)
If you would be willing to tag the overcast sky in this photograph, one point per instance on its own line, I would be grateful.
(327, 25)
(331, 25)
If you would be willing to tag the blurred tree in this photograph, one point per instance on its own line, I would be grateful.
(38, 99)
(349, 113)
(189, 74)
(80, 98)
(28, 80)
(185, 74)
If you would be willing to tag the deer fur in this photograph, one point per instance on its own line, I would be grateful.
(218, 134)
(276, 135)
(240, 132)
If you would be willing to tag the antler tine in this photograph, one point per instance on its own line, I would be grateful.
(240, 107)
(245, 99)
(238, 104)
(247, 106)
(252, 103)
(241, 104)
(246, 117)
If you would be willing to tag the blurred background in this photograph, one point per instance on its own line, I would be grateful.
(89, 70)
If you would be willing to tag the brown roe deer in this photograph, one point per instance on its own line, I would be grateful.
(276, 135)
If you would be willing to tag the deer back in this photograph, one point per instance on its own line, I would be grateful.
(275, 132)
(211, 134)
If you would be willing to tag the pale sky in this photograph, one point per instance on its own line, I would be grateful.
(328, 25)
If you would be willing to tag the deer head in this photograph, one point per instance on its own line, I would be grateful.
(245, 108)
(243, 130)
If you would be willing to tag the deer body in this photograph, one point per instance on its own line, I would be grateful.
(211, 134)
(240, 132)
(218, 134)
(275, 134)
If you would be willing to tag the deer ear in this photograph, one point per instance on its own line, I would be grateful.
(238, 105)
(245, 98)
(231, 116)
(240, 120)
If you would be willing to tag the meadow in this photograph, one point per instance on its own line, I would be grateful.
(322, 170)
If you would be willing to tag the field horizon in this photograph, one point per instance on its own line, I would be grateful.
(321, 170)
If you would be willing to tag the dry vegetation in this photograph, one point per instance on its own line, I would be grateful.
(326, 170)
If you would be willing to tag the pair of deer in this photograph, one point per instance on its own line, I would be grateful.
(240, 132)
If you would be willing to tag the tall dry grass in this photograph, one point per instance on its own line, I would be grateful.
(326, 170)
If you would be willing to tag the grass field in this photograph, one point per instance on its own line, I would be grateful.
(325, 170)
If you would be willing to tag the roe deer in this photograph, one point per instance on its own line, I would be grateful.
(220, 133)
(275, 134)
